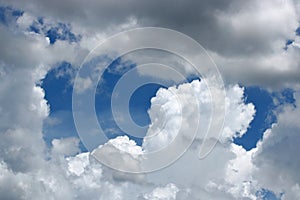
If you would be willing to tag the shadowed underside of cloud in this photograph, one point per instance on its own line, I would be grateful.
(246, 40)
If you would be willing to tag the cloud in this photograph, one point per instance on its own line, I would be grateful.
(276, 154)
(168, 119)
(245, 39)
(121, 154)
(250, 171)
(227, 173)
(24, 62)
(25, 161)
(163, 193)
(203, 178)
(83, 84)
(25, 157)
(65, 146)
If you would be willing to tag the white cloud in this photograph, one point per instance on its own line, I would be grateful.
(167, 114)
(272, 165)
(238, 174)
(25, 20)
(65, 146)
(78, 163)
(194, 180)
(163, 193)
(121, 154)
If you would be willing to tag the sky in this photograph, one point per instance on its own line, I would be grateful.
(94, 104)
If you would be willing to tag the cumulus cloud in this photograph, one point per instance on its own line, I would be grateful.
(247, 42)
(66, 176)
(273, 165)
(168, 119)
(121, 154)
(276, 154)
(202, 179)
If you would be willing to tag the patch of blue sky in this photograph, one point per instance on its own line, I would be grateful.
(109, 79)
(298, 31)
(9, 15)
(58, 93)
(139, 103)
(37, 25)
(288, 43)
(265, 104)
(286, 96)
(263, 119)
(56, 31)
(61, 31)
(265, 194)
(58, 87)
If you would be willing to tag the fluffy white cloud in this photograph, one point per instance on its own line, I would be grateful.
(168, 119)
(163, 193)
(272, 165)
(204, 178)
(121, 154)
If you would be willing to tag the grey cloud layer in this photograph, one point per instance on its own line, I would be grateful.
(246, 39)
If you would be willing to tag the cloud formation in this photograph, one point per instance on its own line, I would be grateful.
(248, 41)
(245, 39)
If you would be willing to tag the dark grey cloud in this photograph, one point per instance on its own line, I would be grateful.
(199, 19)
(244, 38)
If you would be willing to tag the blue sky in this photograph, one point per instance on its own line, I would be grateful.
(44, 43)
(58, 90)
